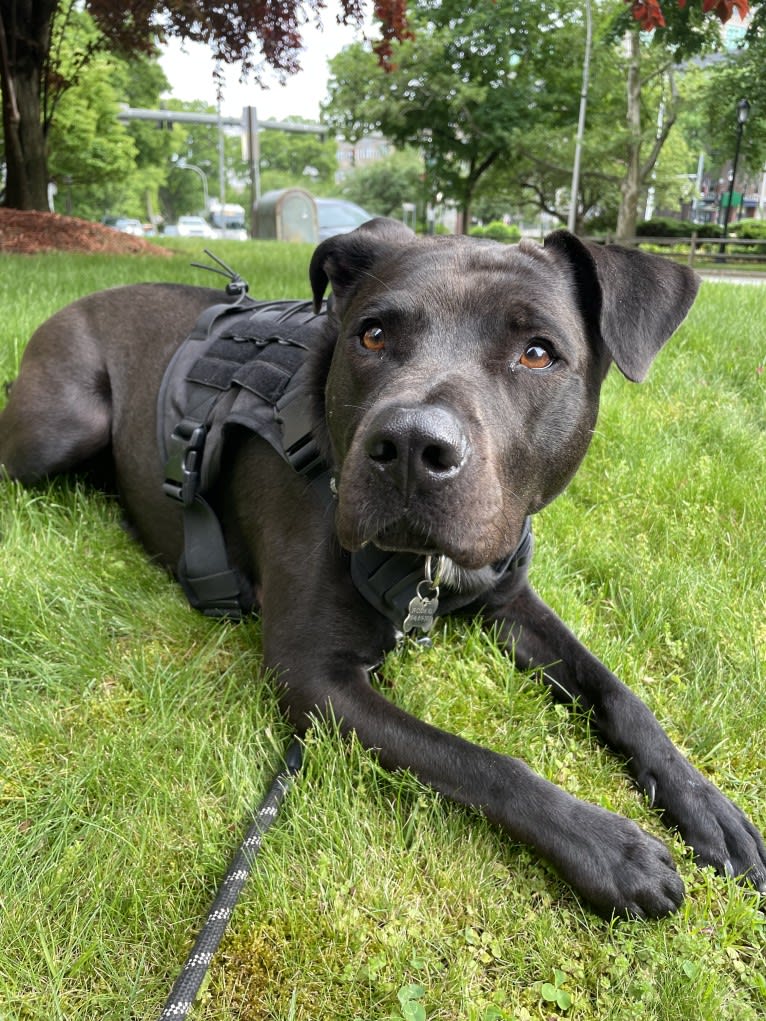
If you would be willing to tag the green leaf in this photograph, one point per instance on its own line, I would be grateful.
(412, 1010)
(410, 992)
(563, 999)
(549, 992)
(690, 969)
(492, 1014)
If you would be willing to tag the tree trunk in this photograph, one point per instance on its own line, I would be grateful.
(470, 181)
(24, 41)
(630, 187)
(464, 214)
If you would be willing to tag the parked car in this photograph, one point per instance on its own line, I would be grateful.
(228, 220)
(190, 227)
(339, 216)
(126, 224)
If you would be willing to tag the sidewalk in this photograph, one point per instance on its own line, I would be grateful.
(732, 276)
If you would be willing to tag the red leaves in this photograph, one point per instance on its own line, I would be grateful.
(239, 31)
(725, 8)
(649, 12)
(392, 15)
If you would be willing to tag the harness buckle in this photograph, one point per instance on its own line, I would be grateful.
(301, 450)
(182, 469)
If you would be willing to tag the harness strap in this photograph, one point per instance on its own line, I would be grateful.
(299, 446)
(211, 586)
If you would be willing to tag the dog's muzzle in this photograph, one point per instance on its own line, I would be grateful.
(417, 449)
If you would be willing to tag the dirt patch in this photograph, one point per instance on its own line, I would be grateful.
(28, 233)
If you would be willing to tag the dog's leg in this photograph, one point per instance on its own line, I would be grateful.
(59, 409)
(323, 671)
(609, 860)
(91, 368)
(716, 829)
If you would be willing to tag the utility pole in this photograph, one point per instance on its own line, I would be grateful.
(572, 221)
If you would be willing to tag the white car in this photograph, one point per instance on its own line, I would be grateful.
(125, 224)
(190, 227)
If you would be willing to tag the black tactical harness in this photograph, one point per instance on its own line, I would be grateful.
(244, 364)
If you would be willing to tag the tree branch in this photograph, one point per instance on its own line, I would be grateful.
(661, 137)
(558, 168)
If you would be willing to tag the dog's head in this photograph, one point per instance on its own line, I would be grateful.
(461, 385)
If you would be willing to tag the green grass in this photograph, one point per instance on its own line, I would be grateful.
(135, 734)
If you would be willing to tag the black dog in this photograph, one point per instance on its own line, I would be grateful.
(453, 393)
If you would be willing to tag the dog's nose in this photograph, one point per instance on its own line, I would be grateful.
(417, 446)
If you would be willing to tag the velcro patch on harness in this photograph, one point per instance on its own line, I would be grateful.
(260, 359)
(254, 353)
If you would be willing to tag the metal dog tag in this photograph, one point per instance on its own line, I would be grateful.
(423, 606)
(421, 612)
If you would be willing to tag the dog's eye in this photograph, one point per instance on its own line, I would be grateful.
(373, 339)
(536, 356)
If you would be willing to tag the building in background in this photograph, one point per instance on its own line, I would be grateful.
(360, 154)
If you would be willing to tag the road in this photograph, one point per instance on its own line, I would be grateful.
(732, 277)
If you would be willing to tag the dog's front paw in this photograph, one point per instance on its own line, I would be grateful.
(719, 833)
(615, 865)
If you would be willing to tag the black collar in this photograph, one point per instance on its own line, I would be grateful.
(390, 581)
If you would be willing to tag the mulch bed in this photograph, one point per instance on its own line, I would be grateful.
(28, 233)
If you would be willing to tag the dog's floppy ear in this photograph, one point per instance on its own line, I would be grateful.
(634, 300)
(342, 259)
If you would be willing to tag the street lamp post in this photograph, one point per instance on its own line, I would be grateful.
(183, 164)
(743, 111)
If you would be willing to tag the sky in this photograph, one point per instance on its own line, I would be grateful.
(188, 67)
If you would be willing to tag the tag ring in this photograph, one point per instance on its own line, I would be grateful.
(434, 581)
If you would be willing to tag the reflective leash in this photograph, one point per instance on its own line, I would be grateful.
(186, 986)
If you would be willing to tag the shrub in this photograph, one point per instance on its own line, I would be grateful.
(497, 231)
(751, 230)
(666, 227)
(754, 229)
